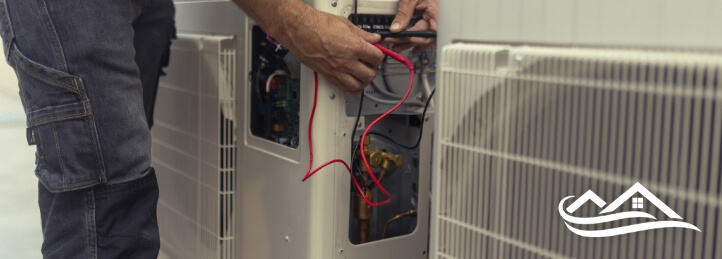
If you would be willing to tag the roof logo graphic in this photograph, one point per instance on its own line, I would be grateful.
(637, 203)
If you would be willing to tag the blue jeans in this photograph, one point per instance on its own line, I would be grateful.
(88, 73)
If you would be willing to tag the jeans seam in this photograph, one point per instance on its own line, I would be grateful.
(10, 30)
(57, 47)
(91, 227)
(57, 119)
(98, 162)
(49, 80)
(60, 157)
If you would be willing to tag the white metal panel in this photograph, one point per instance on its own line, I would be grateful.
(668, 23)
(560, 20)
(511, 14)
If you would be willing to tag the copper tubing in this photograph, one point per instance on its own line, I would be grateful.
(363, 231)
(364, 213)
(411, 212)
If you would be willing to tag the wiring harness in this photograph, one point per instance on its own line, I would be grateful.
(310, 171)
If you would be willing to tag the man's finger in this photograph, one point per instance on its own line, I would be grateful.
(419, 26)
(370, 37)
(403, 15)
(350, 83)
(363, 72)
(371, 55)
(402, 47)
(421, 41)
(396, 40)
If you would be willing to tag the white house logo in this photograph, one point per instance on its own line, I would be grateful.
(637, 203)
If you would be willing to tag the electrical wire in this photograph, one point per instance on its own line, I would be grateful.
(426, 87)
(404, 34)
(421, 128)
(383, 91)
(385, 64)
(270, 78)
(272, 40)
(310, 172)
(355, 12)
(429, 65)
(386, 101)
(353, 134)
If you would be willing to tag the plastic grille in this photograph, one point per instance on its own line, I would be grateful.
(194, 148)
(523, 127)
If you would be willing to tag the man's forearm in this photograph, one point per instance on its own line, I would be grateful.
(328, 44)
(276, 17)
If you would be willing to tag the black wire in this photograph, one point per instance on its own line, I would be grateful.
(355, 12)
(353, 136)
(384, 76)
(421, 128)
(404, 34)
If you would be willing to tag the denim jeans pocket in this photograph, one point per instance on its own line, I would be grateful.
(6, 32)
(61, 123)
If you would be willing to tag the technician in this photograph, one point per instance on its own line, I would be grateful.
(88, 72)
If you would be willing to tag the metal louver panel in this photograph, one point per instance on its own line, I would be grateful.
(194, 148)
(521, 128)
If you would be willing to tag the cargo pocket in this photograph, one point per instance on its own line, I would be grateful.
(61, 123)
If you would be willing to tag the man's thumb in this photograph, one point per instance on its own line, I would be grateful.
(403, 15)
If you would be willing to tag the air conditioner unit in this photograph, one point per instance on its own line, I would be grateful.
(194, 137)
(541, 101)
(230, 177)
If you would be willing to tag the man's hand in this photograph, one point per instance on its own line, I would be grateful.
(329, 44)
(403, 17)
(337, 49)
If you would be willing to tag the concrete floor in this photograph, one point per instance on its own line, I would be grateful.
(20, 234)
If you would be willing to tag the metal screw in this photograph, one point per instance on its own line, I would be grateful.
(332, 96)
(334, 3)
(426, 119)
(288, 238)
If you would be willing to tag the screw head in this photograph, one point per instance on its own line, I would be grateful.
(334, 3)
(332, 96)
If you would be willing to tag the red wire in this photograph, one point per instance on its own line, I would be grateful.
(310, 173)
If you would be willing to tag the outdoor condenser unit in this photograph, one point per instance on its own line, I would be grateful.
(194, 137)
(542, 100)
(230, 147)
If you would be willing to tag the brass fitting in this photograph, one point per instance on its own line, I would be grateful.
(374, 156)
(389, 158)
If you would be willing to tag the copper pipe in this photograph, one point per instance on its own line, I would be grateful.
(363, 231)
(364, 213)
(411, 212)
